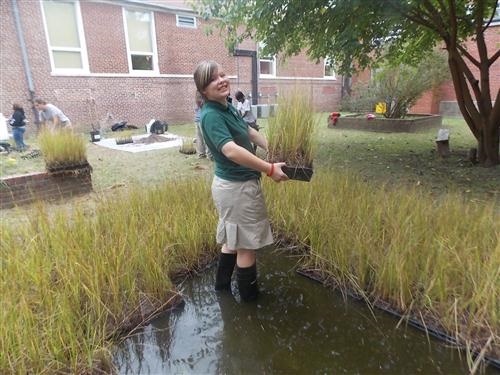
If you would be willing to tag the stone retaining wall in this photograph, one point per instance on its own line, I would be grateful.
(409, 124)
(25, 189)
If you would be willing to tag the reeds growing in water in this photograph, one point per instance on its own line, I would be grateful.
(70, 282)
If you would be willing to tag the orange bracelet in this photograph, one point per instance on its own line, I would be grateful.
(271, 171)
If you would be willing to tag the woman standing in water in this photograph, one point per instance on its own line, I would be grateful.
(236, 190)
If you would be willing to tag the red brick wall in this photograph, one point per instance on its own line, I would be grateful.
(324, 94)
(26, 189)
(13, 84)
(105, 37)
(299, 66)
(110, 89)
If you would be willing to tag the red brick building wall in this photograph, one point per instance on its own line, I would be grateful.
(109, 88)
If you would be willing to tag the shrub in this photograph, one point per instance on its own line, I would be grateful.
(398, 86)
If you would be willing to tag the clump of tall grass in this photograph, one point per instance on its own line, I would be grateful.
(433, 260)
(71, 281)
(62, 147)
(187, 146)
(291, 133)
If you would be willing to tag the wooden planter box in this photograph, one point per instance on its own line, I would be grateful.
(44, 186)
(410, 124)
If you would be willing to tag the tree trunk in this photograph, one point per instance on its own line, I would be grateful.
(488, 146)
(482, 121)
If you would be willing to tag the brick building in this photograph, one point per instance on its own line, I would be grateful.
(132, 59)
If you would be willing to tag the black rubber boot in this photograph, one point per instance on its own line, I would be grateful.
(247, 282)
(225, 271)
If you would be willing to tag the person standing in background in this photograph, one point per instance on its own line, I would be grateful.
(51, 116)
(201, 147)
(18, 122)
(245, 110)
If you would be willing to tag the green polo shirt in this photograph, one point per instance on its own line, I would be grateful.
(220, 125)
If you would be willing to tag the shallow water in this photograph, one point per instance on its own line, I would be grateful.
(295, 327)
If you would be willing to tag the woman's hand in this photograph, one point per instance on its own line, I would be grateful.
(276, 173)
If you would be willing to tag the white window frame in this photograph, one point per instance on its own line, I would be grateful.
(155, 70)
(270, 61)
(178, 24)
(81, 37)
(334, 75)
(496, 18)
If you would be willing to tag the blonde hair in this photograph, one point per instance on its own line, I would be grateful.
(203, 74)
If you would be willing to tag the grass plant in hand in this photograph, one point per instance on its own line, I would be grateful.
(291, 135)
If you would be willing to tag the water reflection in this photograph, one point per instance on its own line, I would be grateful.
(296, 326)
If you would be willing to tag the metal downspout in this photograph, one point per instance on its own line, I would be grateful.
(255, 80)
(26, 64)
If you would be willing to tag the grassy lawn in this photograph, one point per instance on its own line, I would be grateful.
(410, 159)
(383, 158)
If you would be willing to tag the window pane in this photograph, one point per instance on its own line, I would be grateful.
(141, 62)
(61, 24)
(67, 60)
(265, 67)
(329, 72)
(139, 31)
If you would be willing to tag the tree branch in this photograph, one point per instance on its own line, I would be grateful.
(494, 58)
(464, 100)
(491, 19)
(435, 15)
(471, 58)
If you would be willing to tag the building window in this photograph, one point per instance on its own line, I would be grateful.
(329, 71)
(65, 37)
(496, 17)
(267, 63)
(186, 21)
(141, 41)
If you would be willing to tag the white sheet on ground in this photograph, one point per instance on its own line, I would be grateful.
(139, 147)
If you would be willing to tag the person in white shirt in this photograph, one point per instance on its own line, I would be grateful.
(51, 116)
(245, 110)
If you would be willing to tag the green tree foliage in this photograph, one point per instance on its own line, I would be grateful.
(355, 33)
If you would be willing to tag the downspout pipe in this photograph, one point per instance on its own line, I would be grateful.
(255, 81)
(24, 55)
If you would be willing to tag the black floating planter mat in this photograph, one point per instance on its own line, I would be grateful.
(298, 173)
(435, 332)
(124, 141)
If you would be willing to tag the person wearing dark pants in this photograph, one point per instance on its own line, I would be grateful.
(18, 122)
(243, 224)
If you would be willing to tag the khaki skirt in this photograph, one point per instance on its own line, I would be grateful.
(243, 222)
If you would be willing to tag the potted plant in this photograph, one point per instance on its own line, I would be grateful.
(291, 136)
(63, 150)
(187, 146)
(95, 133)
